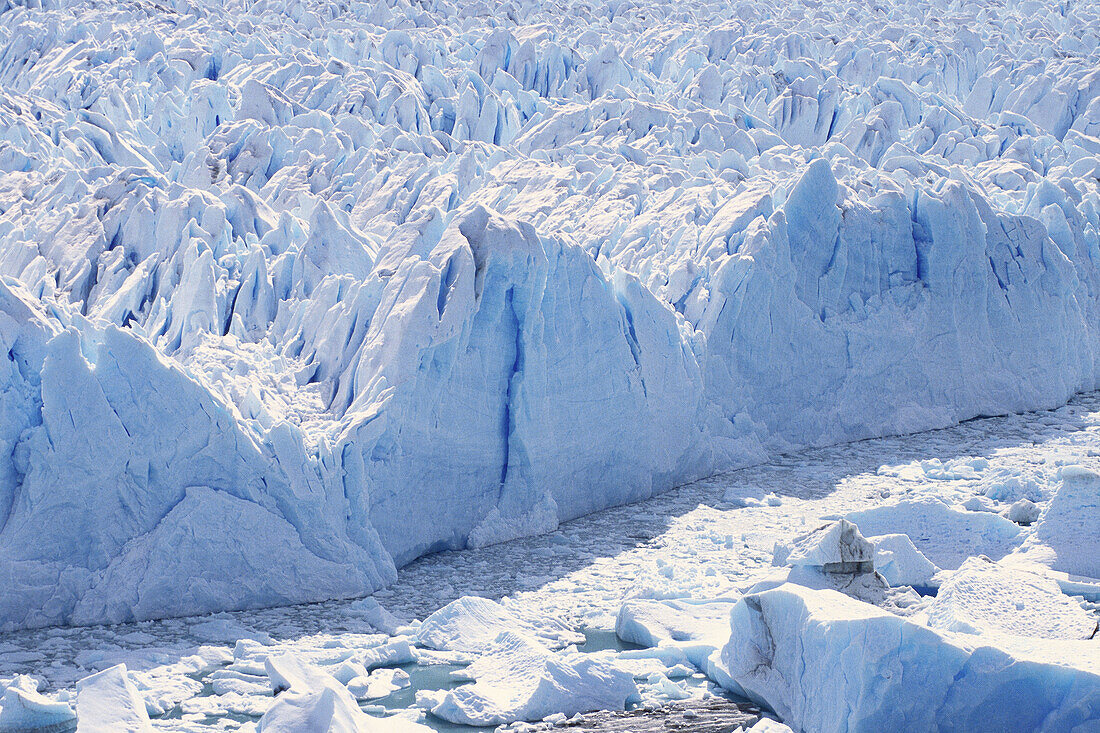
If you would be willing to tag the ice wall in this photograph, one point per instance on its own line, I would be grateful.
(295, 292)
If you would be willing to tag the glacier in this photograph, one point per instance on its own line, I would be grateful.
(296, 292)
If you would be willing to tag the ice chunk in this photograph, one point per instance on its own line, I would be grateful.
(377, 616)
(23, 708)
(944, 535)
(1065, 538)
(398, 651)
(1023, 512)
(470, 624)
(836, 547)
(694, 629)
(520, 679)
(767, 725)
(984, 597)
(108, 702)
(650, 623)
(899, 561)
(309, 699)
(824, 662)
(379, 683)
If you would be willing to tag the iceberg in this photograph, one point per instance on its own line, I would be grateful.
(23, 707)
(825, 662)
(108, 702)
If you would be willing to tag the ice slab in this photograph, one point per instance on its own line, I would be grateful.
(944, 535)
(24, 708)
(824, 662)
(899, 561)
(985, 597)
(471, 624)
(1065, 537)
(520, 679)
(108, 702)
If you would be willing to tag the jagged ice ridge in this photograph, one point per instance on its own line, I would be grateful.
(297, 291)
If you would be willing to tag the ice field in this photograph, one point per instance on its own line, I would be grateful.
(296, 292)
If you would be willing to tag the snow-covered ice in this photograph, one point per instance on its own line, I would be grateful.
(23, 707)
(471, 623)
(900, 563)
(1066, 538)
(378, 279)
(984, 597)
(517, 678)
(109, 702)
(945, 535)
(826, 662)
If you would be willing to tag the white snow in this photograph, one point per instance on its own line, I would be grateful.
(1066, 537)
(108, 702)
(946, 536)
(374, 280)
(823, 661)
(520, 679)
(984, 597)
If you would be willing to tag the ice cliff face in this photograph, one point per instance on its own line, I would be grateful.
(298, 291)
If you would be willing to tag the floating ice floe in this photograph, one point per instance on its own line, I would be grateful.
(108, 702)
(824, 662)
(517, 678)
(24, 708)
(471, 624)
(944, 535)
(309, 699)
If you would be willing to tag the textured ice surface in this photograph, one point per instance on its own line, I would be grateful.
(308, 698)
(984, 597)
(23, 707)
(1067, 537)
(946, 536)
(520, 679)
(826, 662)
(378, 279)
(108, 702)
(470, 624)
(899, 561)
(834, 547)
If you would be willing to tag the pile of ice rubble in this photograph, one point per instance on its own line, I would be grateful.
(295, 291)
(838, 638)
